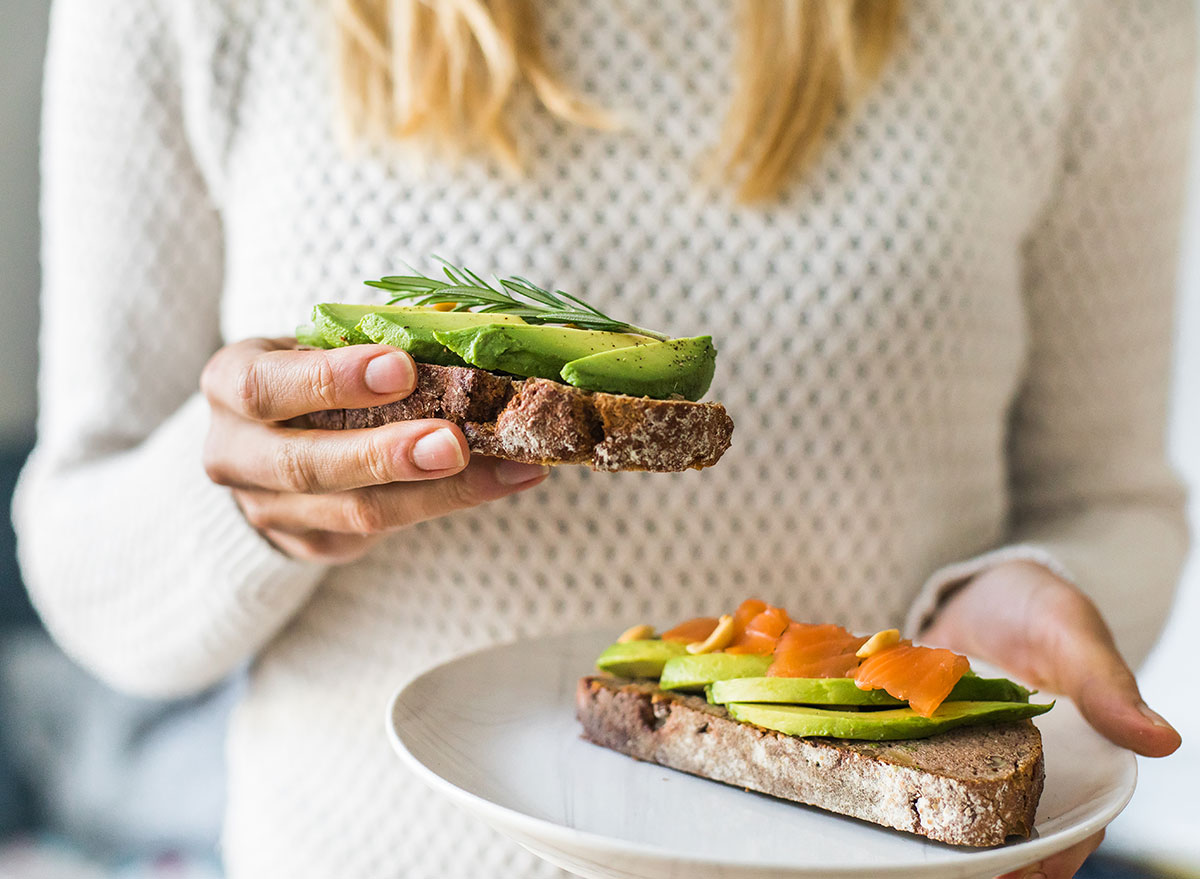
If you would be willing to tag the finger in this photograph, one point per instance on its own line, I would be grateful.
(380, 509)
(244, 454)
(1063, 865)
(260, 380)
(1087, 667)
(321, 547)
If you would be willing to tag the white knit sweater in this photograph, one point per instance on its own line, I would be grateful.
(951, 338)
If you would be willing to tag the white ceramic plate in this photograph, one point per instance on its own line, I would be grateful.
(495, 731)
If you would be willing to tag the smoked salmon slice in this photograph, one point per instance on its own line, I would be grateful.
(697, 629)
(815, 651)
(747, 610)
(761, 630)
(923, 676)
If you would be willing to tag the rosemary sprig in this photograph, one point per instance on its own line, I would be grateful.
(516, 296)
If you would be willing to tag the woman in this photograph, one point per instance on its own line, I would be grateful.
(937, 253)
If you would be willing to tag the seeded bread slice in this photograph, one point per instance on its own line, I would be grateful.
(545, 422)
(974, 785)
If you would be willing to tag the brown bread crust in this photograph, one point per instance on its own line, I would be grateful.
(972, 786)
(546, 422)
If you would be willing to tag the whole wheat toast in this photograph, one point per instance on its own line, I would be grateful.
(975, 785)
(538, 421)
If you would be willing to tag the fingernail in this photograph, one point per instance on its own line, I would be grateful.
(439, 450)
(1154, 717)
(514, 472)
(389, 373)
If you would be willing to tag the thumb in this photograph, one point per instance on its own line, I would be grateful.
(1087, 667)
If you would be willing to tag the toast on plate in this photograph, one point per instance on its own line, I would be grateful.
(876, 728)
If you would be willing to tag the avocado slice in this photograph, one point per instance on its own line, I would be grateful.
(972, 688)
(531, 351)
(413, 331)
(339, 323)
(885, 725)
(843, 691)
(798, 691)
(308, 334)
(688, 672)
(659, 369)
(386, 329)
(639, 659)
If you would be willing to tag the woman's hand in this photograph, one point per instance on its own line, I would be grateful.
(1021, 617)
(328, 495)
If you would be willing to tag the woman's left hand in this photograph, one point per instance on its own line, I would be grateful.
(1038, 627)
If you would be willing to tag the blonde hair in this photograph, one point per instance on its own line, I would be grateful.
(444, 71)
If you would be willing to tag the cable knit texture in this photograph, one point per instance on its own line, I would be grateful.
(951, 338)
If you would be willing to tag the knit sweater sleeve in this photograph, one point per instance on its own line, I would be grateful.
(144, 570)
(1092, 495)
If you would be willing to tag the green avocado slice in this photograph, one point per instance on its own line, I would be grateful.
(843, 691)
(337, 322)
(341, 324)
(414, 331)
(387, 329)
(659, 369)
(639, 659)
(531, 351)
(308, 334)
(694, 673)
(884, 725)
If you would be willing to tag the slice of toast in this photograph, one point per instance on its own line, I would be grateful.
(546, 422)
(974, 785)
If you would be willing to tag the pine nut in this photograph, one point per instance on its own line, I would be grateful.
(879, 641)
(718, 640)
(636, 633)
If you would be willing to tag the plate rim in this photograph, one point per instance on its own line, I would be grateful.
(994, 858)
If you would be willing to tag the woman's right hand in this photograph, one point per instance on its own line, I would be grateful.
(328, 495)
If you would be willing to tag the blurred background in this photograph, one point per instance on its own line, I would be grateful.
(93, 784)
